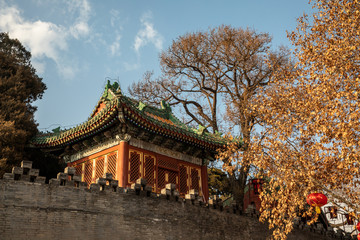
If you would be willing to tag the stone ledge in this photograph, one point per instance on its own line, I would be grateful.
(67, 180)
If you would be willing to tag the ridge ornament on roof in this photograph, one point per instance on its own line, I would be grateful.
(114, 108)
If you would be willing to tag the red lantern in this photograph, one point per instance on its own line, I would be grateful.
(358, 226)
(359, 236)
(316, 200)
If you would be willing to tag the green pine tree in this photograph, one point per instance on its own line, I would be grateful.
(20, 86)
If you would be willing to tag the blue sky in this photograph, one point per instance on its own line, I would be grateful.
(77, 44)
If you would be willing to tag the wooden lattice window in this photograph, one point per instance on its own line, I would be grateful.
(99, 167)
(183, 185)
(161, 178)
(88, 172)
(195, 179)
(134, 166)
(172, 177)
(149, 169)
(111, 164)
(78, 169)
(166, 176)
(168, 163)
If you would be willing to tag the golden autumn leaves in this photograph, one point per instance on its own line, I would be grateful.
(310, 137)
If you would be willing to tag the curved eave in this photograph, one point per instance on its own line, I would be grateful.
(167, 130)
(108, 116)
(101, 121)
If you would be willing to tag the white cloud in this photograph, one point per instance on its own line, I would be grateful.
(115, 46)
(147, 34)
(117, 25)
(114, 17)
(46, 39)
(80, 27)
(39, 66)
(68, 71)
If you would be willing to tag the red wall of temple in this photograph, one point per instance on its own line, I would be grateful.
(252, 195)
(92, 167)
(128, 163)
(183, 174)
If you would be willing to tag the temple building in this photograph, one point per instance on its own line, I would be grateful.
(131, 140)
(252, 194)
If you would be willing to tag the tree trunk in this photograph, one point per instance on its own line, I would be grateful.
(238, 184)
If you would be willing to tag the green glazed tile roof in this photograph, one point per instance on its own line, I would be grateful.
(156, 120)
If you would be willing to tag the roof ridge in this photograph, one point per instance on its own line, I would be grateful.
(155, 119)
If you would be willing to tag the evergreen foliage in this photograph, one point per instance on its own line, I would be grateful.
(20, 86)
(219, 182)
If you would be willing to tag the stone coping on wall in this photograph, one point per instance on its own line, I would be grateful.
(67, 182)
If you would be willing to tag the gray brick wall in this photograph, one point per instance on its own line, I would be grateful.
(67, 209)
(39, 211)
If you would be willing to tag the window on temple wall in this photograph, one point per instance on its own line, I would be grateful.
(161, 178)
(134, 166)
(195, 179)
(78, 169)
(166, 176)
(172, 178)
(168, 170)
(149, 170)
(168, 164)
(88, 172)
(111, 164)
(99, 167)
(183, 183)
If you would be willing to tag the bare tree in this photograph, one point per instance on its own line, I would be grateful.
(248, 65)
(148, 90)
(204, 71)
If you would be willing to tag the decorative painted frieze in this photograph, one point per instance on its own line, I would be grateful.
(98, 148)
(164, 151)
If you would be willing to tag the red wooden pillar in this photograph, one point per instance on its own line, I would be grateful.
(123, 163)
(204, 182)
